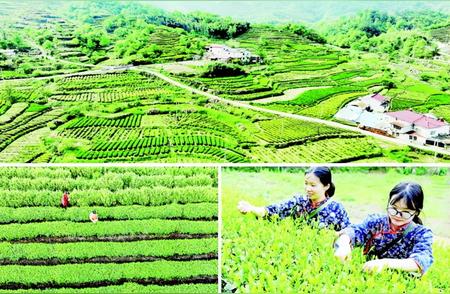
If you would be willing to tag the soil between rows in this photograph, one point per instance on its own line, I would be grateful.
(205, 279)
(109, 219)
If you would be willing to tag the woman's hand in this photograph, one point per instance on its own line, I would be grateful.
(343, 250)
(246, 207)
(376, 265)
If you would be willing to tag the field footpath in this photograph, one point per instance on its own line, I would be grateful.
(289, 115)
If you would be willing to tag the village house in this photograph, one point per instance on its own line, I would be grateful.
(217, 52)
(375, 102)
(374, 121)
(369, 112)
(8, 52)
(420, 128)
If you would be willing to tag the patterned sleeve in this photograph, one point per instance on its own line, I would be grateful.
(422, 252)
(286, 208)
(342, 220)
(360, 233)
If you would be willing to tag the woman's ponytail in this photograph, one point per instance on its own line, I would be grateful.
(417, 220)
(331, 190)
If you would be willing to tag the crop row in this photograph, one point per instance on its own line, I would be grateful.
(14, 232)
(329, 150)
(129, 288)
(105, 197)
(130, 121)
(160, 152)
(20, 120)
(111, 181)
(31, 172)
(64, 251)
(286, 129)
(75, 81)
(116, 87)
(106, 96)
(17, 130)
(101, 134)
(14, 111)
(314, 96)
(72, 274)
(191, 211)
(205, 140)
(303, 66)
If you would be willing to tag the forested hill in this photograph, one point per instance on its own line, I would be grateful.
(310, 12)
(407, 33)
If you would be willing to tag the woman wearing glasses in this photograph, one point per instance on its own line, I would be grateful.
(398, 240)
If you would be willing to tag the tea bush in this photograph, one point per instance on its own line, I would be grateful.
(287, 256)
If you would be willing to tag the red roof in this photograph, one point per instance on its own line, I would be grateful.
(417, 119)
(378, 97)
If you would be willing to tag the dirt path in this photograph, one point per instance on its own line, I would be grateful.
(290, 94)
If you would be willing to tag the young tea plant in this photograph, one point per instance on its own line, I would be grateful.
(289, 256)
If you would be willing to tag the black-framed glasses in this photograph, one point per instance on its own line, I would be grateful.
(403, 214)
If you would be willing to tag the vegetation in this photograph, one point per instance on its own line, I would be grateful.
(398, 35)
(151, 243)
(289, 256)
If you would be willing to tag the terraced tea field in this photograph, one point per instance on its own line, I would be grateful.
(129, 115)
(116, 109)
(156, 230)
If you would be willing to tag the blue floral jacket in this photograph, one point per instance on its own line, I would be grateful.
(327, 213)
(375, 232)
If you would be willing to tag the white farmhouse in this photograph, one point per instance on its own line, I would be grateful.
(375, 102)
(417, 127)
(8, 52)
(224, 53)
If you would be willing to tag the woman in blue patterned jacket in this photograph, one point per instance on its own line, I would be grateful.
(398, 239)
(314, 206)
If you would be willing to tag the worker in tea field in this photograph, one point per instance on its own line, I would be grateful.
(397, 239)
(65, 200)
(93, 216)
(315, 206)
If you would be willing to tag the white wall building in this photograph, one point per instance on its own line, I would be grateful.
(413, 126)
(375, 102)
(224, 53)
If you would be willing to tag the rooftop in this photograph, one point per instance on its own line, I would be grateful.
(417, 119)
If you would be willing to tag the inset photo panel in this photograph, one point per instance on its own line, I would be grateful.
(336, 229)
(109, 229)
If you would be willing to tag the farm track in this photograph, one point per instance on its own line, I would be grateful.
(118, 238)
(205, 279)
(110, 259)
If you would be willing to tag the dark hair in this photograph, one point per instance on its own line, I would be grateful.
(324, 175)
(412, 194)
